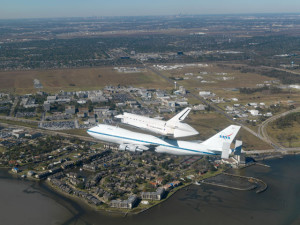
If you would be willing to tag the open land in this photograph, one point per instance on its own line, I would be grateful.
(21, 82)
(59, 78)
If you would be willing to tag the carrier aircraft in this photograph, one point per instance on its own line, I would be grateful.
(219, 144)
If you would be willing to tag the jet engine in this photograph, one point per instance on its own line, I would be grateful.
(132, 148)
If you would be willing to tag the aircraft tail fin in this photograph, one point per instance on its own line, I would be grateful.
(180, 116)
(225, 136)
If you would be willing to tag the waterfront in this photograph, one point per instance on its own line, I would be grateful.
(24, 202)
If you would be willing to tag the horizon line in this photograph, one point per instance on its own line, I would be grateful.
(161, 15)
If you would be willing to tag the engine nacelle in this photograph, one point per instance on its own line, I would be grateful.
(159, 150)
(122, 147)
(132, 148)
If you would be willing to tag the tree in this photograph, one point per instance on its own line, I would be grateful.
(212, 167)
(81, 185)
(291, 107)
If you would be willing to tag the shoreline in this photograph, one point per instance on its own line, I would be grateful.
(98, 209)
(110, 210)
(135, 210)
(275, 155)
(101, 208)
(186, 203)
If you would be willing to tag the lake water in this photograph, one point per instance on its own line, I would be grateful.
(25, 202)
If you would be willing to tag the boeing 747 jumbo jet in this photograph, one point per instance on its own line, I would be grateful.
(218, 144)
(173, 127)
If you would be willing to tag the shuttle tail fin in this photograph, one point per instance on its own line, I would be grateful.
(225, 136)
(180, 116)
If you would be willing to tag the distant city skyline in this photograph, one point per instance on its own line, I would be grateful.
(77, 8)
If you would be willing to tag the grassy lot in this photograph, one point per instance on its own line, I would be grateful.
(81, 132)
(224, 88)
(251, 142)
(18, 123)
(207, 123)
(240, 79)
(21, 82)
(2, 149)
(288, 137)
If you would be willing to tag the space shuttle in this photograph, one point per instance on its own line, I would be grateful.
(172, 128)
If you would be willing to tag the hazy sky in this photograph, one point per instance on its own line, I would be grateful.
(82, 8)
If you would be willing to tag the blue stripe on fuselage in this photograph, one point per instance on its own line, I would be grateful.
(148, 142)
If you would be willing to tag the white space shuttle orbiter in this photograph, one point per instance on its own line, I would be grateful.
(173, 127)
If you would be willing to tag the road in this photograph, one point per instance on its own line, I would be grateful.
(12, 110)
(262, 133)
(280, 69)
(18, 119)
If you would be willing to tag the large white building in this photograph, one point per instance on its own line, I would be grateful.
(254, 112)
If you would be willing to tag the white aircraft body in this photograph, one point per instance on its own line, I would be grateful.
(173, 127)
(133, 141)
